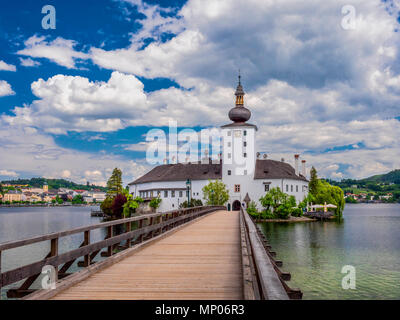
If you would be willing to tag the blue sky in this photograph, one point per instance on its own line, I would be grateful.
(78, 100)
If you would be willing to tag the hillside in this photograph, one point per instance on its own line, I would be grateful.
(53, 184)
(391, 177)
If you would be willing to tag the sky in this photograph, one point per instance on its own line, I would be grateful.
(321, 80)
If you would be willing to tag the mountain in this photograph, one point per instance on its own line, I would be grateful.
(391, 177)
(53, 184)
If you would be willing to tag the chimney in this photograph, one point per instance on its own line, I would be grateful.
(209, 160)
(296, 164)
(165, 160)
(303, 168)
(282, 159)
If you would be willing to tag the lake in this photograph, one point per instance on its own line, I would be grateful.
(25, 222)
(314, 253)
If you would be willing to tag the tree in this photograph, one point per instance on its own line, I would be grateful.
(106, 206)
(1, 189)
(155, 203)
(193, 203)
(114, 183)
(78, 199)
(278, 204)
(215, 193)
(131, 204)
(118, 205)
(313, 184)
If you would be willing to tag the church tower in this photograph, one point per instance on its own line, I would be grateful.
(239, 151)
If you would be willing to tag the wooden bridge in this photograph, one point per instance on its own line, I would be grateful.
(195, 253)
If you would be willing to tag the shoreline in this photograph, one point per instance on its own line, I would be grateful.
(291, 219)
(46, 205)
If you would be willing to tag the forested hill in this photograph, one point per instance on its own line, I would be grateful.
(391, 177)
(53, 184)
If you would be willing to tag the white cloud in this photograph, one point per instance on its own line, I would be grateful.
(7, 67)
(22, 145)
(60, 51)
(28, 62)
(65, 174)
(311, 85)
(5, 89)
(8, 173)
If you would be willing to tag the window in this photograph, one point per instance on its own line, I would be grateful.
(245, 133)
(297, 188)
(237, 187)
(245, 155)
(287, 188)
(229, 133)
(229, 155)
(238, 133)
(244, 144)
(229, 144)
(151, 194)
(291, 188)
(172, 194)
(158, 193)
(180, 194)
(229, 172)
(266, 187)
(245, 172)
(166, 194)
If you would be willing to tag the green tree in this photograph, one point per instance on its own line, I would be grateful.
(313, 184)
(114, 183)
(106, 206)
(155, 203)
(78, 199)
(331, 195)
(215, 193)
(131, 204)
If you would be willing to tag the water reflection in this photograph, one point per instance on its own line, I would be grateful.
(314, 253)
(21, 223)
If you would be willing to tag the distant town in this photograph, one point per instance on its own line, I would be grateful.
(39, 191)
(383, 188)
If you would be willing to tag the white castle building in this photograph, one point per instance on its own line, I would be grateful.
(246, 175)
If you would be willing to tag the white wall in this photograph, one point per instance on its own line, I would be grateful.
(170, 203)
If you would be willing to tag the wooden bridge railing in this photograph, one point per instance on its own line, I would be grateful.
(149, 226)
(262, 278)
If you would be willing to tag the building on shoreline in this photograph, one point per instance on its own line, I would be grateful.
(247, 175)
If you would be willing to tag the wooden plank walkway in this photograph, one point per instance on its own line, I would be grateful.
(199, 261)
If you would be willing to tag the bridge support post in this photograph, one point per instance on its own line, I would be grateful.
(0, 277)
(128, 229)
(109, 235)
(86, 240)
(54, 252)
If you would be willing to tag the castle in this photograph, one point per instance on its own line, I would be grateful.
(246, 174)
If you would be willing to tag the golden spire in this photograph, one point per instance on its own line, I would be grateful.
(239, 93)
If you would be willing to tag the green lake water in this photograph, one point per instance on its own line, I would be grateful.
(314, 253)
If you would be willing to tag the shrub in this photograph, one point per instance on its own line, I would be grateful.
(296, 212)
(118, 205)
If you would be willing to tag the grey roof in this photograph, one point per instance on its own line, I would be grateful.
(182, 172)
(272, 169)
(265, 169)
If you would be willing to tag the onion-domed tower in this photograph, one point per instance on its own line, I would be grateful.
(239, 113)
(238, 151)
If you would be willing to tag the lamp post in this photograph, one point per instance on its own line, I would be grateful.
(188, 190)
